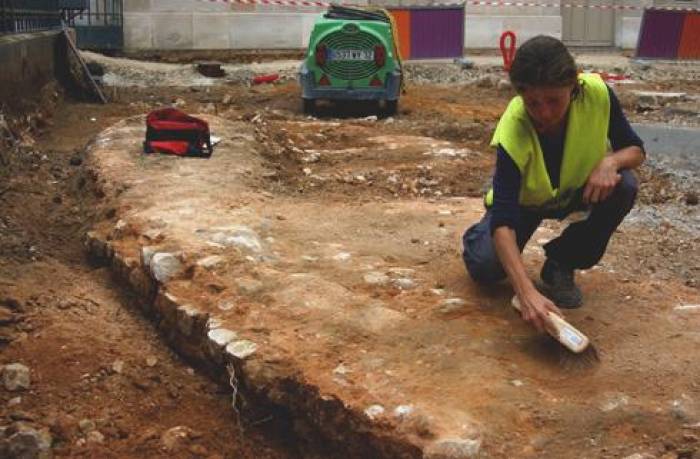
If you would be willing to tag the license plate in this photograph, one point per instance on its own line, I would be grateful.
(352, 55)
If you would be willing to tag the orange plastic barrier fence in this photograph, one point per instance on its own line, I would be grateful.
(403, 24)
(689, 47)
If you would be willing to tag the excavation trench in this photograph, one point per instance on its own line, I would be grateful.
(312, 268)
(355, 317)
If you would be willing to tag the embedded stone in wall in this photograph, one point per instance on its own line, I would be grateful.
(147, 253)
(164, 266)
(241, 349)
(218, 339)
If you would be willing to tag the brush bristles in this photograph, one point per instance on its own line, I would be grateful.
(584, 360)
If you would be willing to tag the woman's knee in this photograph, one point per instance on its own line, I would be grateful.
(485, 273)
(482, 265)
(479, 255)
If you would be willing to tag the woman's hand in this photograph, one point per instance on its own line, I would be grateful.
(602, 181)
(534, 308)
(533, 305)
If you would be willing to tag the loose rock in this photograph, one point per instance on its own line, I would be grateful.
(95, 436)
(27, 443)
(342, 256)
(239, 236)
(403, 411)
(456, 448)
(249, 286)
(175, 438)
(404, 283)
(684, 409)
(374, 411)
(118, 366)
(86, 425)
(376, 278)
(451, 305)
(211, 261)
(15, 376)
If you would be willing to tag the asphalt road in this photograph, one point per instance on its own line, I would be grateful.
(676, 147)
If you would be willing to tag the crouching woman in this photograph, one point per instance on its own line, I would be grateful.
(563, 145)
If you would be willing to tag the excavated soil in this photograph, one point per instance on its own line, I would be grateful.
(357, 296)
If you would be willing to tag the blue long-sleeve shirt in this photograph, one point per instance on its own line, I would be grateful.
(506, 210)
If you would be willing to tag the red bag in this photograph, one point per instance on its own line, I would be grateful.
(173, 132)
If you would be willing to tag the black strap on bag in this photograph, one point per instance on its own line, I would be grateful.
(171, 131)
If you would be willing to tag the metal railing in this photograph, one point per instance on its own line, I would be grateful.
(18, 16)
(99, 25)
(100, 13)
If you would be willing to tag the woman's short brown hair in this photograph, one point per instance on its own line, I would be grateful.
(542, 61)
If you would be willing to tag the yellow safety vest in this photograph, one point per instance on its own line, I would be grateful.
(585, 145)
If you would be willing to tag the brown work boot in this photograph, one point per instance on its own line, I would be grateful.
(558, 285)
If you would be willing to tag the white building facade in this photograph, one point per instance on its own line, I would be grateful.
(209, 25)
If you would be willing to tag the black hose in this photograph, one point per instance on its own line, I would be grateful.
(343, 12)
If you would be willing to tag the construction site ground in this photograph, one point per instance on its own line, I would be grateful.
(301, 293)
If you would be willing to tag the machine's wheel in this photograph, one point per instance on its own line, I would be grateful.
(308, 106)
(391, 107)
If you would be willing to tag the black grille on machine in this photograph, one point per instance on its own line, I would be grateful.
(350, 70)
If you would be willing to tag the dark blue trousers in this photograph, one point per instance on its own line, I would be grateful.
(580, 246)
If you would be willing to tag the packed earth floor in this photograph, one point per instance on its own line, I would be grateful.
(331, 246)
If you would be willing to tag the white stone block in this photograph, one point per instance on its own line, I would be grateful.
(164, 266)
(220, 337)
(241, 349)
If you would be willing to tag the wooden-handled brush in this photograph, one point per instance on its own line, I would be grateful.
(569, 337)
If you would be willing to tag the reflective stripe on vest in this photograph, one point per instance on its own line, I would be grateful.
(585, 145)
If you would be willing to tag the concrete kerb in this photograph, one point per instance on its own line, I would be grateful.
(199, 337)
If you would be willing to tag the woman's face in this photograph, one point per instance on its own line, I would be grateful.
(547, 106)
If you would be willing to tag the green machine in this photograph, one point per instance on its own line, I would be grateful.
(352, 55)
